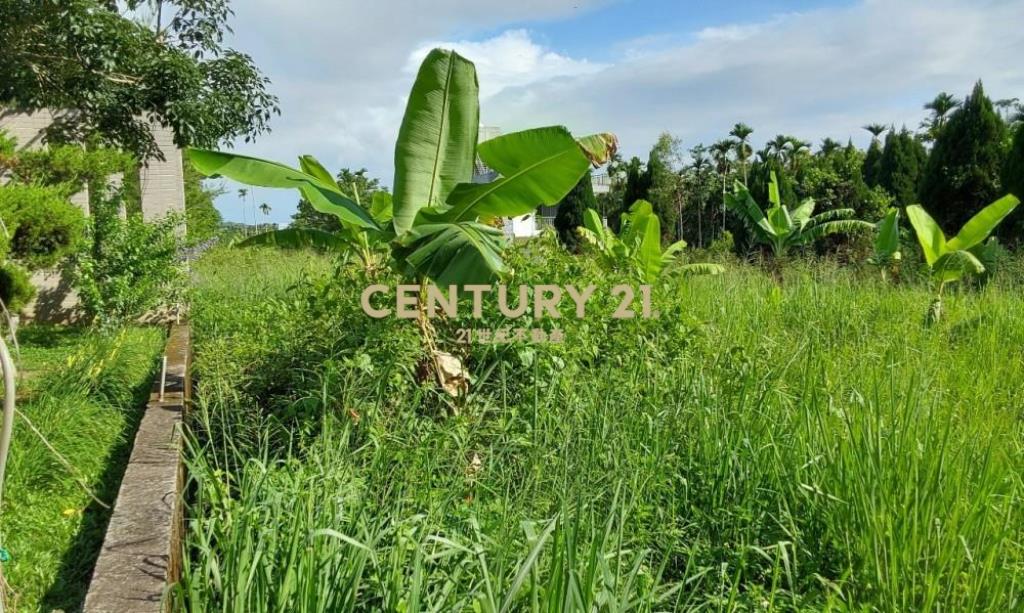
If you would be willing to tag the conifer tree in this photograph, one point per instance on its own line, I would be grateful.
(963, 171)
(570, 212)
(1013, 183)
(901, 166)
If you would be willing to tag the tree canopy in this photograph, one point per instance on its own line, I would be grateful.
(570, 212)
(963, 170)
(115, 66)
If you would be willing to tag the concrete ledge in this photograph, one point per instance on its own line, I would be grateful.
(141, 551)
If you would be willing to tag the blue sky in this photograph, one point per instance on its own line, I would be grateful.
(633, 67)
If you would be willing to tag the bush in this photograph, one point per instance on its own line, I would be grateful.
(16, 289)
(42, 226)
(131, 268)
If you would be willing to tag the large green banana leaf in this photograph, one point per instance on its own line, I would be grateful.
(437, 140)
(647, 252)
(742, 203)
(460, 253)
(981, 225)
(297, 238)
(537, 167)
(929, 234)
(325, 197)
(887, 243)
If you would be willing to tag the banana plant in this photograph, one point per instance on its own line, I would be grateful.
(368, 244)
(950, 260)
(781, 228)
(887, 253)
(436, 224)
(638, 245)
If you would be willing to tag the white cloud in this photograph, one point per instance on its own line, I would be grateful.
(815, 74)
(511, 59)
(343, 71)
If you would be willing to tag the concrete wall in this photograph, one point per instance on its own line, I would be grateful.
(163, 187)
(163, 192)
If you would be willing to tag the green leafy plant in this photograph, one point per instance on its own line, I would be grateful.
(951, 260)
(437, 225)
(637, 247)
(131, 268)
(16, 289)
(887, 254)
(781, 228)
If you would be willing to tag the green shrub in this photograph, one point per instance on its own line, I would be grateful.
(131, 268)
(41, 225)
(16, 288)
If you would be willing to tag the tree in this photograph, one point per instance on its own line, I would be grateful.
(836, 181)
(118, 70)
(874, 156)
(741, 132)
(1013, 182)
(940, 106)
(202, 219)
(570, 212)
(354, 184)
(901, 166)
(665, 184)
(699, 165)
(720, 154)
(829, 146)
(637, 187)
(963, 170)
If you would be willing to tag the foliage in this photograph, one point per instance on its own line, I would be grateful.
(887, 243)
(131, 268)
(202, 219)
(637, 247)
(117, 72)
(637, 187)
(81, 389)
(42, 226)
(872, 162)
(950, 260)
(965, 163)
(902, 166)
(781, 228)
(665, 191)
(16, 289)
(438, 217)
(836, 181)
(774, 448)
(1013, 180)
(354, 184)
(569, 216)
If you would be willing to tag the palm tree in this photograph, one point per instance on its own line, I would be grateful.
(265, 209)
(778, 147)
(829, 146)
(699, 164)
(876, 130)
(741, 132)
(720, 154)
(243, 194)
(797, 149)
(940, 106)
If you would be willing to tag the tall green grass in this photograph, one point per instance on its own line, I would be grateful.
(804, 446)
(81, 390)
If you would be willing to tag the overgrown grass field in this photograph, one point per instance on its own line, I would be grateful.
(78, 398)
(803, 444)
